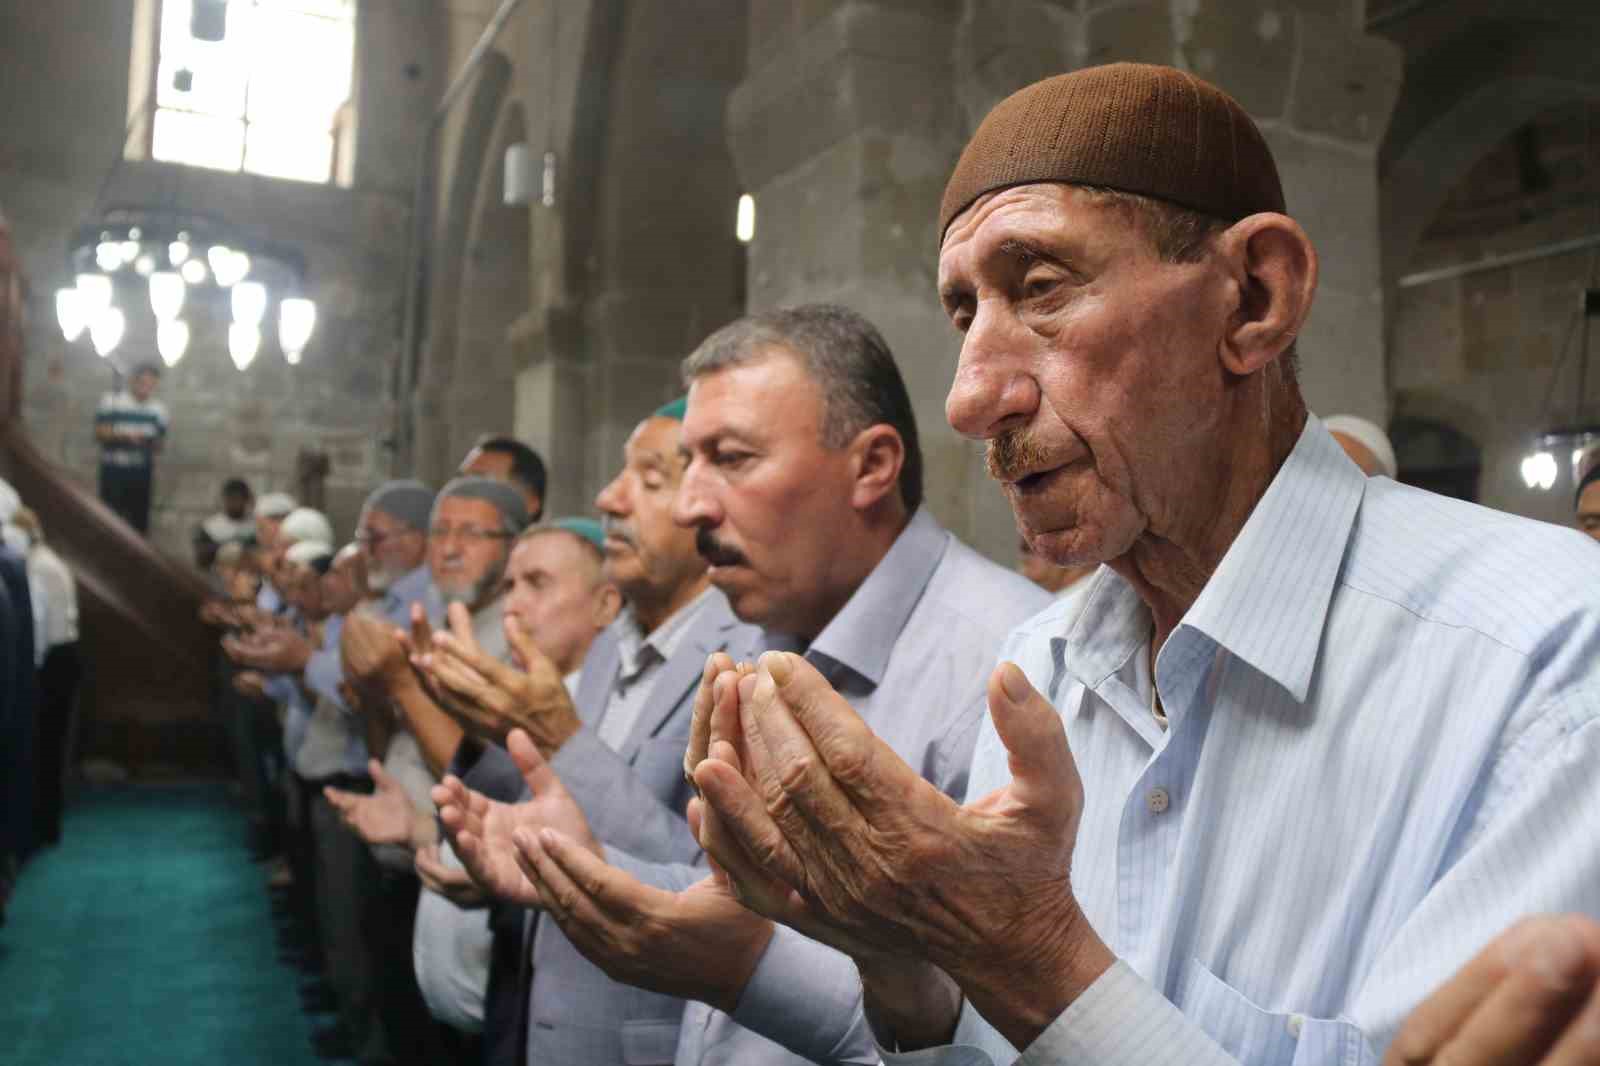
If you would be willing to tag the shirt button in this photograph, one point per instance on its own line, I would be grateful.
(1157, 800)
(1294, 1024)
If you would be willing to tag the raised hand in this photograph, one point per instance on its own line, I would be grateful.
(386, 816)
(696, 944)
(371, 652)
(1531, 998)
(881, 864)
(448, 880)
(279, 650)
(490, 698)
(481, 829)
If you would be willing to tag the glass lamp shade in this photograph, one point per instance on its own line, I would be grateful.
(249, 302)
(193, 271)
(105, 330)
(130, 251)
(178, 252)
(71, 312)
(297, 317)
(228, 266)
(243, 340)
(166, 294)
(108, 256)
(172, 340)
(96, 289)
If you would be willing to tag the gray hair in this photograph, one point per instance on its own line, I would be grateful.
(847, 358)
(507, 500)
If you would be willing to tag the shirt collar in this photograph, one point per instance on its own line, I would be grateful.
(1267, 602)
(636, 649)
(862, 635)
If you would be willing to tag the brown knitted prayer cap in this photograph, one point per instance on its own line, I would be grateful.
(1143, 129)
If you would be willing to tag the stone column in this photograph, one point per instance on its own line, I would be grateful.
(852, 115)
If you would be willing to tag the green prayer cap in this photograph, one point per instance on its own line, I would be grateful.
(674, 410)
(587, 528)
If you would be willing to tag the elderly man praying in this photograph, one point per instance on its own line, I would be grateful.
(1305, 745)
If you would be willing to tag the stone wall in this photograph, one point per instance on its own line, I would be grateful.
(69, 62)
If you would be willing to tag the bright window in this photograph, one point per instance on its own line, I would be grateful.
(265, 98)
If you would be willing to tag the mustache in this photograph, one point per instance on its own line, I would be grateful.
(714, 553)
(1013, 454)
(616, 527)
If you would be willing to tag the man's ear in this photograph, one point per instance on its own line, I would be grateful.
(1275, 266)
(607, 605)
(877, 456)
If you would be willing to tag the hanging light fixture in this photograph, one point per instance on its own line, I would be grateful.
(108, 256)
(297, 318)
(166, 294)
(227, 266)
(172, 340)
(96, 289)
(744, 223)
(243, 341)
(178, 251)
(249, 303)
(71, 313)
(105, 330)
(193, 271)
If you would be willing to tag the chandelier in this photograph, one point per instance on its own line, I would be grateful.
(173, 259)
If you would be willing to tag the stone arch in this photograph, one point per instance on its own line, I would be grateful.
(430, 457)
(494, 289)
(1462, 98)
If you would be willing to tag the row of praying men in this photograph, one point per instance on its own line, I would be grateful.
(773, 769)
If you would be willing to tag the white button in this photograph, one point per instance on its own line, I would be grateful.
(1158, 800)
(1294, 1024)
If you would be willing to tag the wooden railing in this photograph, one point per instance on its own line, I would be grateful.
(149, 658)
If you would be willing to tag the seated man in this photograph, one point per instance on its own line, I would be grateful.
(1308, 741)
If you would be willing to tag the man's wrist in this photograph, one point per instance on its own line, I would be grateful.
(1023, 991)
(910, 1003)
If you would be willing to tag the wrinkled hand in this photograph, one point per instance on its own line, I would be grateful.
(371, 652)
(250, 683)
(489, 698)
(711, 703)
(448, 880)
(386, 816)
(696, 944)
(279, 650)
(481, 829)
(827, 829)
(1531, 998)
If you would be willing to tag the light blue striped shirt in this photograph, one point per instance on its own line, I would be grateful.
(1383, 751)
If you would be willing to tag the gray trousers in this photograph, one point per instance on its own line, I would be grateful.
(346, 882)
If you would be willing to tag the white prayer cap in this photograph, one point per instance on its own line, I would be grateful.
(309, 554)
(275, 505)
(305, 524)
(1369, 436)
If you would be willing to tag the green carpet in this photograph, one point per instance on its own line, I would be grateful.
(146, 937)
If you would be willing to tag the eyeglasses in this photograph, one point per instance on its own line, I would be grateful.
(470, 534)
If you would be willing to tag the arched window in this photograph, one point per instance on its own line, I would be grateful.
(259, 86)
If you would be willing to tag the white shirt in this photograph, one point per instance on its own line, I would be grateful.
(1384, 733)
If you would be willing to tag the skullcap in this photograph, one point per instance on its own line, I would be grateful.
(305, 524)
(674, 410)
(404, 499)
(275, 505)
(1143, 129)
(586, 528)
(507, 500)
(311, 554)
